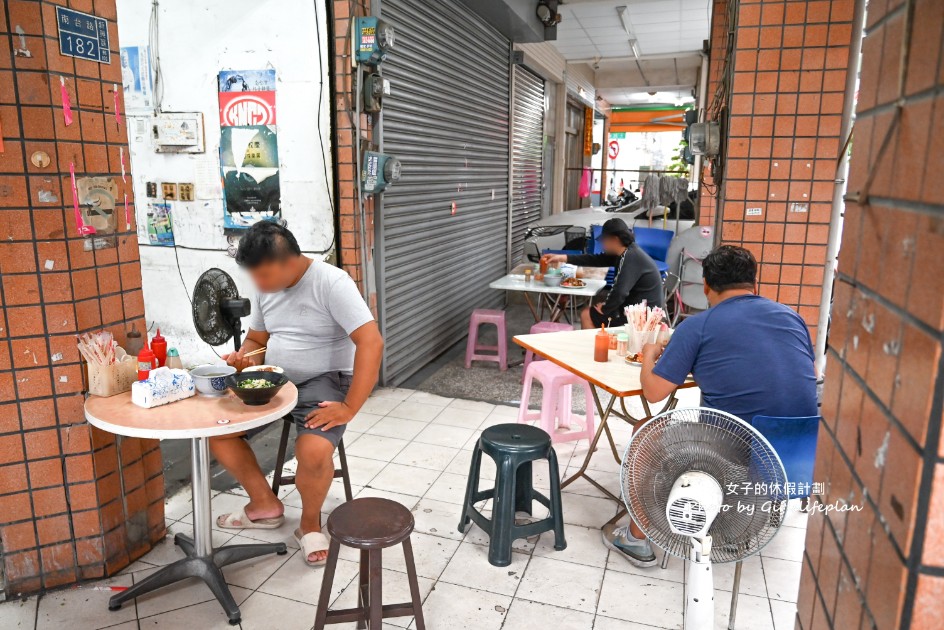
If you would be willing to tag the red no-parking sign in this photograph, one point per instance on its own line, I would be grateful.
(614, 149)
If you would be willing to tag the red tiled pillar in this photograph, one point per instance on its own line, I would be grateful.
(785, 81)
(75, 503)
(350, 245)
(881, 443)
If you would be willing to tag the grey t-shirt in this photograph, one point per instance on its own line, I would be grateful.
(310, 323)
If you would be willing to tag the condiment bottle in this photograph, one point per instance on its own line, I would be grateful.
(159, 348)
(601, 346)
(173, 359)
(622, 344)
(133, 342)
(544, 265)
(146, 362)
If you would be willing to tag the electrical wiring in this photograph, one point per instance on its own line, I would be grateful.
(155, 56)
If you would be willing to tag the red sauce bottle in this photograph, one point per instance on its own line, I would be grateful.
(159, 347)
(146, 362)
(601, 346)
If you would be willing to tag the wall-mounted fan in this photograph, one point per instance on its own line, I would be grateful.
(706, 486)
(217, 308)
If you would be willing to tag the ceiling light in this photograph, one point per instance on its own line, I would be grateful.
(624, 20)
(634, 44)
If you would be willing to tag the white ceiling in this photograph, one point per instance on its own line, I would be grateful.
(591, 29)
(618, 96)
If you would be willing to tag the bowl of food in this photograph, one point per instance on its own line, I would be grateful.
(256, 388)
(264, 368)
(552, 280)
(210, 379)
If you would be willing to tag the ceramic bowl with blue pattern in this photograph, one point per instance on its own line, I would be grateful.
(210, 380)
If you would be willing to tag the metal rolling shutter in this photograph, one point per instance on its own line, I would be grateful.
(447, 121)
(527, 132)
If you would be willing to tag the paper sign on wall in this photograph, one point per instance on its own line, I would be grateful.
(136, 78)
(160, 226)
(249, 154)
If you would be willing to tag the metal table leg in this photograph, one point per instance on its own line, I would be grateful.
(202, 560)
(604, 414)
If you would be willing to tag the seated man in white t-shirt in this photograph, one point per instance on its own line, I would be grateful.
(314, 324)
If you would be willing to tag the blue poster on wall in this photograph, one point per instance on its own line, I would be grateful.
(247, 80)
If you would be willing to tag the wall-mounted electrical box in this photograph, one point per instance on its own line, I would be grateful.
(178, 132)
(378, 171)
(372, 39)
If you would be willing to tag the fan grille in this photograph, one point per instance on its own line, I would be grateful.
(717, 444)
(213, 286)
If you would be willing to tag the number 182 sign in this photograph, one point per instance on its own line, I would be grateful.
(82, 35)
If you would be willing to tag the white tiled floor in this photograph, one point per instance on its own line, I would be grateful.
(413, 447)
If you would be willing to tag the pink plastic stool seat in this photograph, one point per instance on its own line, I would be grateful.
(556, 385)
(473, 348)
(541, 327)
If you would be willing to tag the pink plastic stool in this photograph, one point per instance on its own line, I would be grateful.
(487, 316)
(541, 327)
(556, 385)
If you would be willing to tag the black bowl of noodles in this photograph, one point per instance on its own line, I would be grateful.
(256, 388)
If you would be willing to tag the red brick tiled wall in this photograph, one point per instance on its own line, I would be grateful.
(347, 144)
(75, 503)
(783, 140)
(880, 444)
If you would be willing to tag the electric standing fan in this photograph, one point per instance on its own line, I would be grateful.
(217, 308)
(707, 487)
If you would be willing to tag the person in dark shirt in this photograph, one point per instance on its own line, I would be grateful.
(637, 277)
(749, 356)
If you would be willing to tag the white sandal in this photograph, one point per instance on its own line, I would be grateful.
(239, 520)
(313, 542)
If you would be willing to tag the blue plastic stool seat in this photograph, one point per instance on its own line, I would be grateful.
(794, 439)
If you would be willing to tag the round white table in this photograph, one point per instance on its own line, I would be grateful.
(196, 419)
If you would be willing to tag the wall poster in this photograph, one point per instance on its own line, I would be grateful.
(249, 154)
(159, 224)
(136, 78)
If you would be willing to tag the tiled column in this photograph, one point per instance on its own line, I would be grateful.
(880, 446)
(75, 503)
(787, 76)
(350, 243)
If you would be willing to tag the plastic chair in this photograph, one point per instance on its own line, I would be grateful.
(794, 439)
(542, 327)
(487, 316)
(513, 447)
(556, 389)
(569, 252)
(654, 242)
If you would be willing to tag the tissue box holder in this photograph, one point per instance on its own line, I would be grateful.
(162, 387)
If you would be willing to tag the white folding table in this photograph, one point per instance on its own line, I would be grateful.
(573, 351)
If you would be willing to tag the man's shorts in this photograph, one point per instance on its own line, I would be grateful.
(599, 319)
(329, 386)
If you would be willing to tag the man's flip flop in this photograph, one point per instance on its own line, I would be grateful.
(310, 543)
(239, 520)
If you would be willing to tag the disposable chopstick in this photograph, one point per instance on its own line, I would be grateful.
(254, 352)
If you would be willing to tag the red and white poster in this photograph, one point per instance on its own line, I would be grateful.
(247, 109)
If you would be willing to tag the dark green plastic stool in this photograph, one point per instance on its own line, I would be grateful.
(513, 447)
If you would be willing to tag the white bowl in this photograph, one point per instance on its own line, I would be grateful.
(264, 368)
(210, 379)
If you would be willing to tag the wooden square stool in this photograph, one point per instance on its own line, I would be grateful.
(370, 525)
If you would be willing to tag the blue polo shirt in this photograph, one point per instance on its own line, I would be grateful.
(749, 355)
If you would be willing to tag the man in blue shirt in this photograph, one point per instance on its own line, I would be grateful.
(749, 356)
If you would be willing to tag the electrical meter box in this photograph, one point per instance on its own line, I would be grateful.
(372, 39)
(378, 171)
(178, 132)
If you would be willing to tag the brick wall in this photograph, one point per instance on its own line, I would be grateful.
(75, 503)
(880, 445)
(347, 146)
(783, 140)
